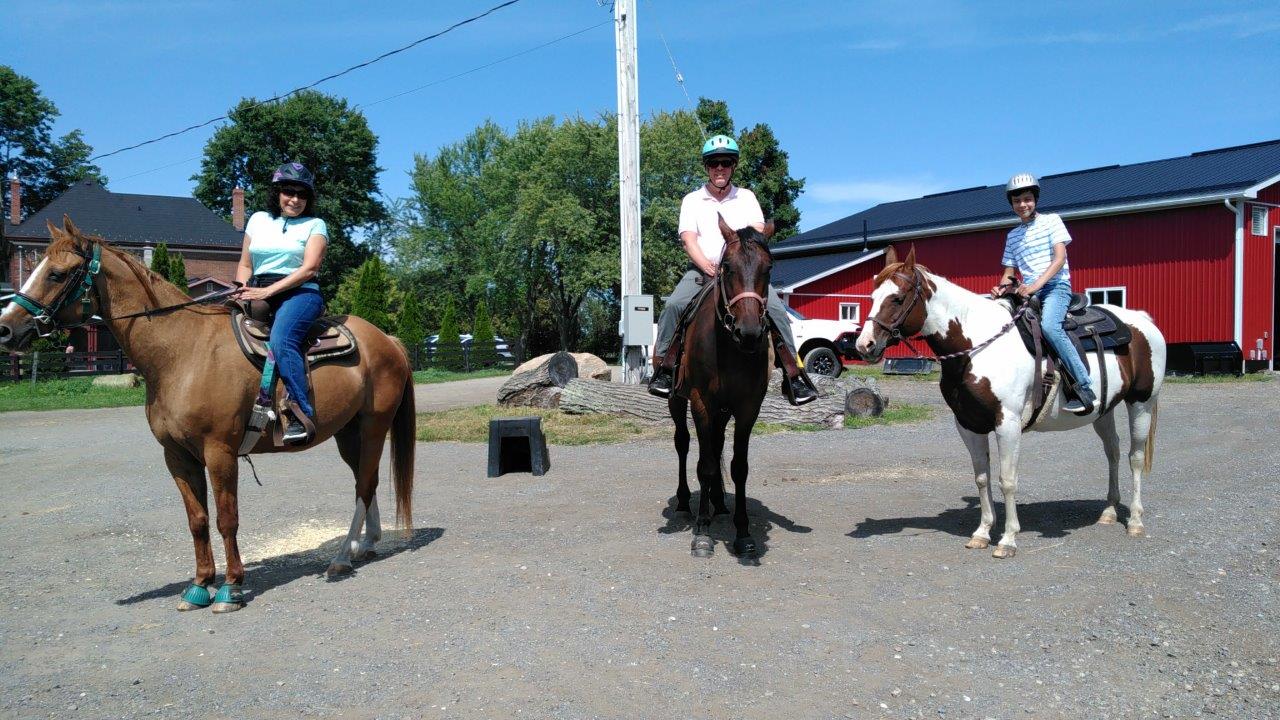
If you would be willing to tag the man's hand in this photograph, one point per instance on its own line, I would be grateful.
(1001, 290)
(709, 268)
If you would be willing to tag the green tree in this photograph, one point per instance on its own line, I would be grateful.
(409, 326)
(160, 262)
(449, 340)
(178, 271)
(46, 167)
(373, 296)
(483, 350)
(319, 131)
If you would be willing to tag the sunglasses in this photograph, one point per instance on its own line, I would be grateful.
(294, 192)
(721, 163)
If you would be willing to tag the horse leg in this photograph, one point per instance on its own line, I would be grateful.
(348, 441)
(717, 488)
(743, 544)
(1105, 426)
(371, 437)
(979, 445)
(678, 407)
(188, 475)
(224, 475)
(709, 447)
(1008, 440)
(1142, 418)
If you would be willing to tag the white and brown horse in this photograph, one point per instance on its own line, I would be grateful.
(989, 385)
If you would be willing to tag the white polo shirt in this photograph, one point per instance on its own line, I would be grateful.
(1029, 247)
(699, 211)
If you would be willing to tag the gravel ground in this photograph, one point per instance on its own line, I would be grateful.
(573, 595)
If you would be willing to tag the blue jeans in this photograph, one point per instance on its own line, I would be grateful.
(1054, 298)
(295, 311)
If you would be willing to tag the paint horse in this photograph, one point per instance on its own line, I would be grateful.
(200, 389)
(722, 374)
(989, 385)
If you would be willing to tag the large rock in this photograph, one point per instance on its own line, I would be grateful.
(589, 366)
(127, 380)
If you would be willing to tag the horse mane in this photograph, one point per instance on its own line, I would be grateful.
(750, 234)
(891, 269)
(145, 275)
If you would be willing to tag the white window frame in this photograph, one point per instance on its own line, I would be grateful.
(857, 311)
(1258, 220)
(1122, 289)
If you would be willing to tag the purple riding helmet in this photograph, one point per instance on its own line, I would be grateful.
(293, 172)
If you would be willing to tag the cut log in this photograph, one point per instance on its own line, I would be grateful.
(589, 366)
(634, 401)
(863, 402)
(539, 386)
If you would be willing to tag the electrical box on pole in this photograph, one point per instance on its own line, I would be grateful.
(637, 320)
(624, 16)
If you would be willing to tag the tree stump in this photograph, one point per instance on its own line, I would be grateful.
(540, 385)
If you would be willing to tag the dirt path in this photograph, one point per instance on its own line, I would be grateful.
(574, 596)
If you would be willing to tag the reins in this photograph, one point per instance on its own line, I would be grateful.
(894, 328)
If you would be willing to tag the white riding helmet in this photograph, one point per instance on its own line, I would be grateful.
(1020, 182)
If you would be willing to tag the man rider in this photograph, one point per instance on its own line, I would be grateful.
(699, 231)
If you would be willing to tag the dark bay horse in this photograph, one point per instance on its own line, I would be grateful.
(989, 381)
(200, 389)
(723, 374)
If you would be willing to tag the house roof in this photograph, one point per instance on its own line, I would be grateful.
(790, 272)
(1201, 177)
(128, 219)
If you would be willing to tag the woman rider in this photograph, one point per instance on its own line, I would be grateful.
(283, 249)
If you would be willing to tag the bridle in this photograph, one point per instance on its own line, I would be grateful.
(79, 287)
(724, 308)
(894, 327)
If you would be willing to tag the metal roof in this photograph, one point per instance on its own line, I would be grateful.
(1197, 178)
(128, 219)
(788, 272)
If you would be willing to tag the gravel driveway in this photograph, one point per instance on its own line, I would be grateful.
(573, 595)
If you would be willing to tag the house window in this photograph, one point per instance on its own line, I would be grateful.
(851, 311)
(1107, 296)
(1258, 220)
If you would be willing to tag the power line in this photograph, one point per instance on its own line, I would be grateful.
(367, 63)
(680, 79)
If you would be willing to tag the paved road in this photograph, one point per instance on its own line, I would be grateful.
(573, 595)
(434, 397)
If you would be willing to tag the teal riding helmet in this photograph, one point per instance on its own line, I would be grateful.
(720, 145)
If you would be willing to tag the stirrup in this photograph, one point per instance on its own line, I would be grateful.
(295, 433)
(660, 383)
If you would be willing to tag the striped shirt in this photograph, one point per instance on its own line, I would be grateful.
(1029, 247)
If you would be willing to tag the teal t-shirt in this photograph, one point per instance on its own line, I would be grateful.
(276, 245)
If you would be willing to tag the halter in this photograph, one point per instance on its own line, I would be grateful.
(724, 309)
(77, 288)
(894, 328)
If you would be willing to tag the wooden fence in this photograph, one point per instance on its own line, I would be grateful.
(55, 364)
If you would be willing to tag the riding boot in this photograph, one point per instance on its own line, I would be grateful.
(797, 388)
(664, 370)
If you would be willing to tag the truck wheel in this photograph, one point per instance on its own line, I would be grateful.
(823, 361)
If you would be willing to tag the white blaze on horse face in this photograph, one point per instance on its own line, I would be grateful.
(866, 338)
(32, 279)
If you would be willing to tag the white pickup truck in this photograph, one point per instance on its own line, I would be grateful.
(822, 343)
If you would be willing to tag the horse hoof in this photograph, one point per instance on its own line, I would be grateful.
(1108, 517)
(977, 543)
(1136, 531)
(1004, 551)
(703, 546)
(337, 569)
(195, 597)
(744, 547)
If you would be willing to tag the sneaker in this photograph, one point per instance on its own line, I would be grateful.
(800, 393)
(294, 432)
(660, 383)
(1083, 403)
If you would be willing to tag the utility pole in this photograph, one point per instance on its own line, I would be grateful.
(633, 360)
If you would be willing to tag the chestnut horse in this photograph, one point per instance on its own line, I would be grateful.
(200, 389)
(724, 373)
(988, 384)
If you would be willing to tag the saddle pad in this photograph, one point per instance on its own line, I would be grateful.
(1093, 318)
(329, 338)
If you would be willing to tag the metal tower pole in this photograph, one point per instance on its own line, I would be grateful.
(624, 15)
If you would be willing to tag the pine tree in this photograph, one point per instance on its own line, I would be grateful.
(373, 294)
(177, 273)
(449, 342)
(483, 351)
(160, 263)
(409, 326)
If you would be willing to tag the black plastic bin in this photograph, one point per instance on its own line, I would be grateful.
(1205, 358)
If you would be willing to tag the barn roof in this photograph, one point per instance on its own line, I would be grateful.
(129, 219)
(1201, 177)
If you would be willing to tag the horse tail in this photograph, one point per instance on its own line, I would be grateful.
(1151, 439)
(404, 427)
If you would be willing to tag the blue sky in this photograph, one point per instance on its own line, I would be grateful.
(874, 101)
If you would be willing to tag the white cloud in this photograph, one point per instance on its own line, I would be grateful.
(871, 192)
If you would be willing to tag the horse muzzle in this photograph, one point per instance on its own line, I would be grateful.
(16, 337)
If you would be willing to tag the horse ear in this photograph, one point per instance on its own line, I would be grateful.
(725, 231)
(911, 256)
(890, 256)
(54, 231)
(69, 226)
(768, 230)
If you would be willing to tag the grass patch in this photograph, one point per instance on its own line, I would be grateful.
(892, 416)
(772, 428)
(68, 394)
(472, 425)
(436, 375)
(1213, 379)
(877, 371)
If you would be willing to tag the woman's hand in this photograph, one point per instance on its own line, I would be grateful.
(251, 293)
(1029, 290)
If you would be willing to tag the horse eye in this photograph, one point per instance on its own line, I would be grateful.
(57, 276)
(897, 301)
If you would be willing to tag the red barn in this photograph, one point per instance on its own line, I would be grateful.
(1191, 240)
